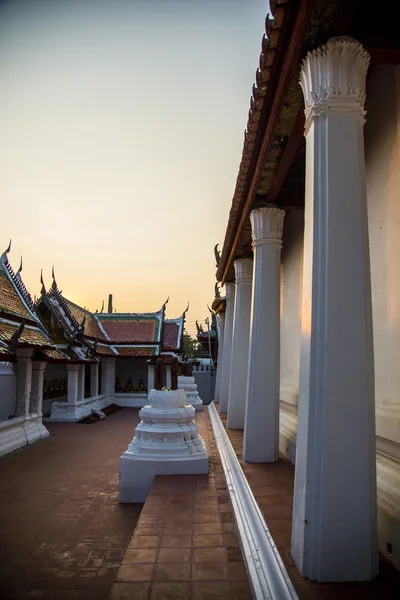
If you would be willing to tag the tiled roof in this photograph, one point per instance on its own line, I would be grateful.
(55, 354)
(172, 333)
(105, 350)
(30, 336)
(10, 302)
(132, 328)
(92, 328)
(137, 351)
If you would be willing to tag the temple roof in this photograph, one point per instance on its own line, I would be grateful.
(30, 336)
(92, 328)
(15, 300)
(172, 333)
(132, 328)
(138, 351)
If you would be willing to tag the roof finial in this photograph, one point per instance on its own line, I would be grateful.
(102, 307)
(43, 290)
(211, 310)
(217, 292)
(217, 255)
(3, 257)
(20, 267)
(187, 308)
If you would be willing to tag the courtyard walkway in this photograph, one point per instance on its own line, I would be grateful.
(62, 532)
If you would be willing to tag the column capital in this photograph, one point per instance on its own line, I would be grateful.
(24, 353)
(109, 359)
(72, 368)
(333, 77)
(229, 290)
(243, 270)
(267, 225)
(38, 365)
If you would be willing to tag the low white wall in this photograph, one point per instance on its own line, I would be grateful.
(8, 391)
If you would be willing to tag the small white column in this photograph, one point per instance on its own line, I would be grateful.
(221, 317)
(150, 377)
(261, 431)
(227, 351)
(334, 518)
(81, 383)
(94, 380)
(24, 381)
(167, 375)
(108, 376)
(73, 375)
(38, 368)
(240, 343)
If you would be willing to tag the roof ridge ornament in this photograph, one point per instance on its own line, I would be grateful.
(217, 290)
(15, 337)
(3, 257)
(20, 267)
(217, 255)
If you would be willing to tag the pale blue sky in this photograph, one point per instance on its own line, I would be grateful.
(121, 127)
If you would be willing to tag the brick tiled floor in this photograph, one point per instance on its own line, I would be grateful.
(185, 546)
(62, 532)
(272, 486)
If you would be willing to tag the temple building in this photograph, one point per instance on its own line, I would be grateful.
(59, 360)
(308, 363)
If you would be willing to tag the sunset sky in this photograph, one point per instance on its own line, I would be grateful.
(121, 127)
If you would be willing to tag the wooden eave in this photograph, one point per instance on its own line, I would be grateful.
(219, 305)
(273, 161)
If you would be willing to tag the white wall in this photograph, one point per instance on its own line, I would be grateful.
(135, 368)
(8, 394)
(382, 153)
(291, 281)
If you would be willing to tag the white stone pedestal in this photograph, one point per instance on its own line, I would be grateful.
(166, 442)
(188, 384)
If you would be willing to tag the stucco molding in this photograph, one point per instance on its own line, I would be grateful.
(267, 225)
(6, 368)
(243, 270)
(333, 77)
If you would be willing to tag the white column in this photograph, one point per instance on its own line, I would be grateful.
(94, 380)
(24, 381)
(240, 343)
(221, 317)
(227, 351)
(81, 383)
(150, 377)
(168, 375)
(108, 376)
(261, 431)
(73, 375)
(38, 369)
(334, 518)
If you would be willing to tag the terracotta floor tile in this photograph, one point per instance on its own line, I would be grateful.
(207, 528)
(177, 519)
(237, 571)
(129, 591)
(135, 573)
(149, 529)
(145, 541)
(209, 555)
(218, 590)
(205, 518)
(231, 540)
(171, 572)
(207, 539)
(170, 591)
(140, 556)
(174, 555)
(240, 591)
(234, 555)
(176, 541)
(202, 571)
(181, 527)
(152, 518)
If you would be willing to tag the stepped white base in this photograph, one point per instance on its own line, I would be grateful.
(188, 384)
(62, 412)
(166, 442)
(136, 473)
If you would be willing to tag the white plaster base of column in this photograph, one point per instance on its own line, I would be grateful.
(19, 432)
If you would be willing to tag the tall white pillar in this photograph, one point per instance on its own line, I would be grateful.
(221, 317)
(81, 383)
(36, 402)
(73, 375)
(261, 431)
(24, 381)
(227, 351)
(334, 517)
(240, 343)
(168, 375)
(94, 380)
(150, 377)
(108, 376)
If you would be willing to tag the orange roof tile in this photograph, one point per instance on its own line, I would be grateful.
(30, 337)
(136, 351)
(92, 328)
(134, 329)
(10, 302)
